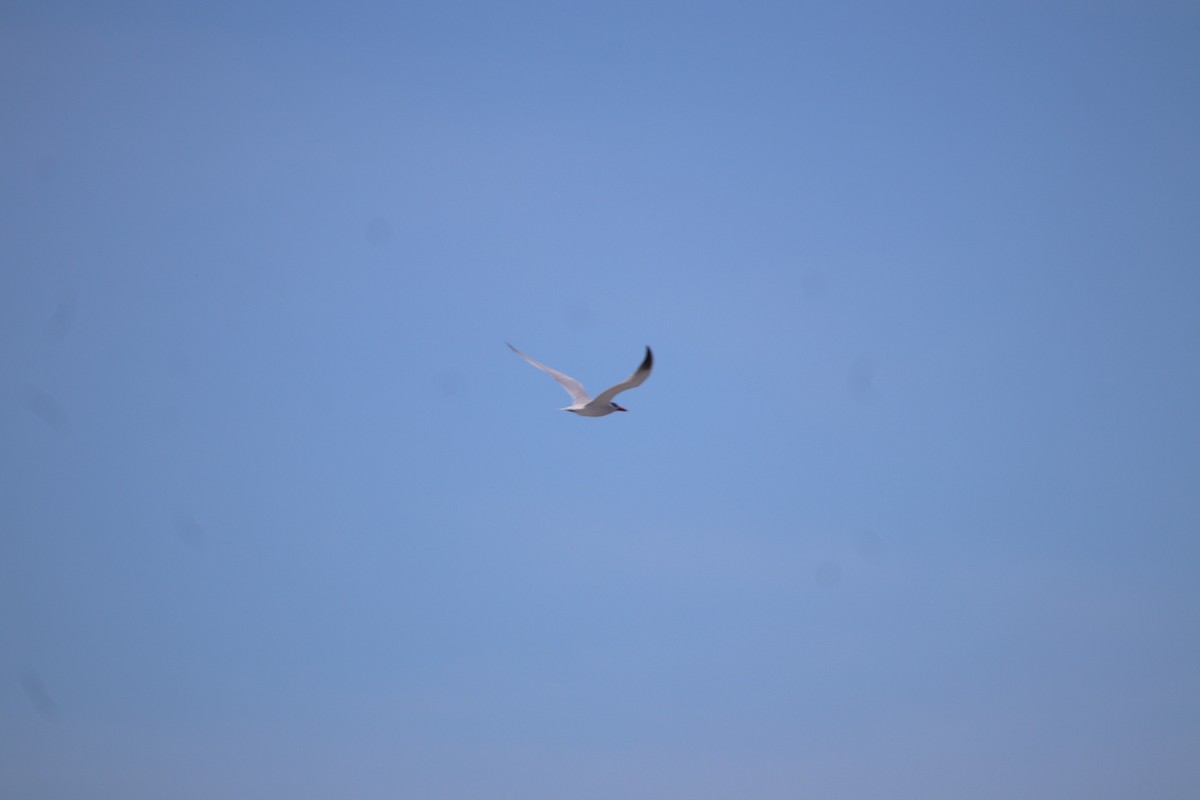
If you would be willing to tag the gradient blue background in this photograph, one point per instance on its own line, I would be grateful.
(908, 509)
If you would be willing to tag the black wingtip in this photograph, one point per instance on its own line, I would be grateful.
(648, 362)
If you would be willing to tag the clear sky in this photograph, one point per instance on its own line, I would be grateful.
(908, 509)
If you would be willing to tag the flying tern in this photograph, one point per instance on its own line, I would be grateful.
(602, 404)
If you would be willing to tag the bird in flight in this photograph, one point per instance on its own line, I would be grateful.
(602, 404)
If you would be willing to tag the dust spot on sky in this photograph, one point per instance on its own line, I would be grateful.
(64, 315)
(188, 529)
(38, 694)
(867, 545)
(828, 574)
(860, 379)
(43, 406)
(578, 314)
(450, 382)
(813, 282)
(170, 418)
(46, 169)
(378, 232)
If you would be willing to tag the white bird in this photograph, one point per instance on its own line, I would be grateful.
(602, 404)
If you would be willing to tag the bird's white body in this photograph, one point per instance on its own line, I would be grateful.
(602, 404)
(590, 410)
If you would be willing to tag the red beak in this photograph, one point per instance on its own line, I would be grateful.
(622, 409)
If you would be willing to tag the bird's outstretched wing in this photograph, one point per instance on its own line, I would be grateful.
(573, 387)
(636, 379)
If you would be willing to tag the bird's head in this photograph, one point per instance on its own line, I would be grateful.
(617, 407)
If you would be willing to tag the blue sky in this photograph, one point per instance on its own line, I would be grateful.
(908, 507)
